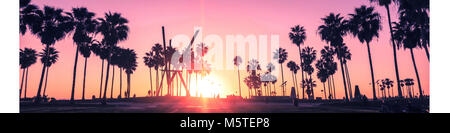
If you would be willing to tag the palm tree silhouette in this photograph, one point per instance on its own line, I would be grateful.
(332, 31)
(416, 13)
(409, 82)
(27, 57)
(114, 29)
(48, 59)
(150, 63)
(385, 4)
(308, 56)
(388, 83)
(331, 67)
(237, 61)
(293, 67)
(322, 74)
(157, 51)
(129, 65)
(50, 26)
(345, 54)
(408, 37)
(28, 15)
(100, 50)
(84, 29)
(281, 55)
(365, 24)
(85, 51)
(253, 81)
(298, 37)
(115, 61)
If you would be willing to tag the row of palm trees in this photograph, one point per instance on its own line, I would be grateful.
(412, 31)
(51, 25)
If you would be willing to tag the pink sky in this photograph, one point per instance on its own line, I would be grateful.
(222, 18)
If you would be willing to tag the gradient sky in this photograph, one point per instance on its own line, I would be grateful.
(222, 18)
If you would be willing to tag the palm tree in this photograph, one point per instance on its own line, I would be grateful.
(332, 32)
(298, 37)
(345, 54)
(408, 37)
(100, 50)
(50, 26)
(409, 82)
(129, 65)
(322, 74)
(416, 13)
(365, 24)
(115, 61)
(293, 67)
(83, 24)
(237, 61)
(308, 56)
(329, 65)
(48, 59)
(253, 81)
(385, 4)
(27, 57)
(85, 51)
(114, 29)
(157, 51)
(28, 15)
(150, 63)
(281, 55)
(388, 83)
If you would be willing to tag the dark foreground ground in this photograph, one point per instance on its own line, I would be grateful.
(196, 105)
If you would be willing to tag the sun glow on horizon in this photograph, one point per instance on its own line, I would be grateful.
(208, 86)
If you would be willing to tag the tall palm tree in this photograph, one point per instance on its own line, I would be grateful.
(114, 29)
(330, 66)
(416, 13)
(27, 57)
(332, 31)
(50, 26)
(298, 37)
(129, 65)
(281, 56)
(253, 81)
(83, 25)
(308, 56)
(385, 4)
(100, 50)
(293, 67)
(408, 37)
(345, 54)
(365, 24)
(150, 63)
(85, 51)
(157, 51)
(115, 61)
(48, 59)
(237, 61)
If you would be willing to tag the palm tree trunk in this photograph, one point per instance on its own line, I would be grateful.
(84, 77)
(157, 81)
(282, 79)
(72, 95)
(348, 81)
(312, 87)
(417, 73)
(101, 80)
(26, 84)
(296, 85)
(371, 70)
(303, 79)
(426, 52)
(343, 77)
(128, 85)
(21, 84)
(38, 95)
(106, 80)
(112, 81)
(120, 90)
(45, 84)
(151, 86)
(334, 87)
(239, 81)
(395, 54)
(324, 91)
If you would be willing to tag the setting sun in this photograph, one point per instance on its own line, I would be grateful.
(208, 86)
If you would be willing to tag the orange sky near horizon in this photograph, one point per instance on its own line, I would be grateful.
(259, 17)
